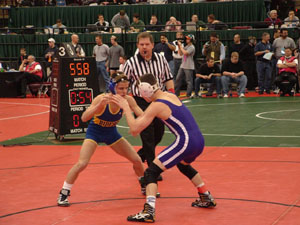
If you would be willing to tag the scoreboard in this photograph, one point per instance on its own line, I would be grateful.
(74, 85)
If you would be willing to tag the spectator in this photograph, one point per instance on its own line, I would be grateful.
(120, 20)
(214, 48)
(276, 34)
(101, 24)
(2, 68)
(248, 59)
(115, 2)
(273, 20)
(137, 25)
(23, 55)
(291, 20)
(187, 66)
(213, 24)
(122, 61)
(211, 20)
(77, 47)
(48, 55)
(59, 28)
(155, 25)
(287, 65)
(263, 64)
(199, 23)
(237, 45)
(283, 42)
(177, 58)
(115, 51)
(208, 73)
(101, 52)
(173, 24)
(165, 48)
(32, 73)
(233, 72)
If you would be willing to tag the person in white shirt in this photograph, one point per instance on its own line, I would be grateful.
(122, 61)
(177, 58)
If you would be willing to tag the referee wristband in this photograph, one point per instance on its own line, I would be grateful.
(172, 90)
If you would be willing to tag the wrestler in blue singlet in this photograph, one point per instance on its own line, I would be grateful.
(102, 128)
(189, 141)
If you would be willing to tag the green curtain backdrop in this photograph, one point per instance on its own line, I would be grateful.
(36, 44)
(236, 11)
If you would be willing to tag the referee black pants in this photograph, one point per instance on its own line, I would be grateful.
(151, 135)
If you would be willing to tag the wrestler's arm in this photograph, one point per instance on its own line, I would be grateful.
(134, 106)
(96, 107)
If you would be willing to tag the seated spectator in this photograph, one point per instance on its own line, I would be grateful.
(120, 20)
(101, 24)
(287, 65)
(208, 73)
(48, 55)
(213, 24)
(273, 20)
(237, 45)
(173, 24)
(122, 61)
(199, 23)
(137, 25)
(115, 2)
(155, 25)
(233, 72)
(59, 28)
(32, 73)
(291, 20)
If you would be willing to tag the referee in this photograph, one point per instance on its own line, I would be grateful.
(147, 61)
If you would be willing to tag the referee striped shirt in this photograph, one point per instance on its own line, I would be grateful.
(137, 66)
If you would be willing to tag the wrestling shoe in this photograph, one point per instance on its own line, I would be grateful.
(62, 199)
(143, 187)
(204, 201)
(147, 215)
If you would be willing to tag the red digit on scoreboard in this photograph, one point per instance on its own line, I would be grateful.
(88, 95)
(76, 120)
(81, 97)
(73, 97)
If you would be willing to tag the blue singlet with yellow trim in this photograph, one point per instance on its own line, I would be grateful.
(102, 128)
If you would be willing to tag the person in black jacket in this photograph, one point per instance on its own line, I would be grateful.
(249, 62)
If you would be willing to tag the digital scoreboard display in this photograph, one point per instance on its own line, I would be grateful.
(74, 85)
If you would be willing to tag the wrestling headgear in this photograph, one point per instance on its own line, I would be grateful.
(116, 78)
(147, 90)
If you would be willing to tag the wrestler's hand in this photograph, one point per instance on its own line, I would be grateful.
(100, 105)
(120, 101)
